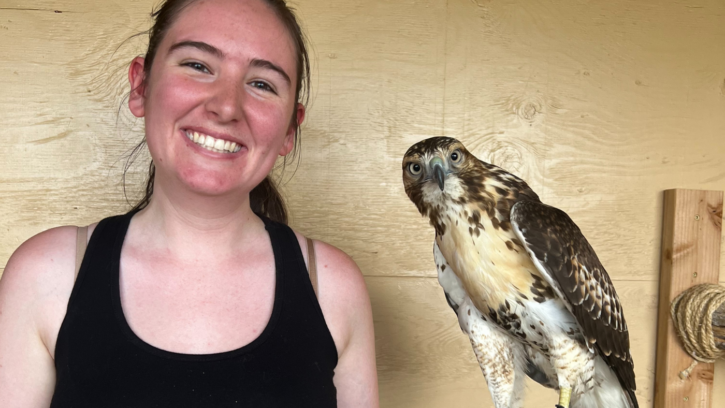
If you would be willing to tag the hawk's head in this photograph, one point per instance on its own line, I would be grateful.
(439, 175)
(438, 171)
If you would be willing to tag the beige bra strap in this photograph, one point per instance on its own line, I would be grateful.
(312, 264)
(81, 241)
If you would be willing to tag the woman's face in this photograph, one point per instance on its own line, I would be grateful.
(220, 96)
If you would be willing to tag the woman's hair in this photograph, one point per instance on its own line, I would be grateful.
(265, 199)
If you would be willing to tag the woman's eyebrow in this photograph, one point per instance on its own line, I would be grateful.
(260, 63)
(208, 48)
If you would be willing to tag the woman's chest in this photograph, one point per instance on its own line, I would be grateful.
(196, 309)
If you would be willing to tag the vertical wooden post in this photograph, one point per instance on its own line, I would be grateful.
(692, 225)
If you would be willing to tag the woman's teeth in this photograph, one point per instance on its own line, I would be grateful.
(214, 145)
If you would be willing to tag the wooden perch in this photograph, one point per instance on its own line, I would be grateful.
(691, 231)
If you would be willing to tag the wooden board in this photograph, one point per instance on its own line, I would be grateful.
(690, 256)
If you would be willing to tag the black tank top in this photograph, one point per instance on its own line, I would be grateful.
(101, 363)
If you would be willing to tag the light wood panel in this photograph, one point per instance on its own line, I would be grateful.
(600, 105)
(63, 138)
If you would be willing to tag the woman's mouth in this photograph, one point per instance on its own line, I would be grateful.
(213, 144)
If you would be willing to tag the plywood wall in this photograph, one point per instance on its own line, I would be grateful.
(599, 105)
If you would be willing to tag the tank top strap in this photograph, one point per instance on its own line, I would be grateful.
(299, 299)
(288, 254)
(104, 249)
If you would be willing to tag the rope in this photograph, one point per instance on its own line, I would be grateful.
(692, 316)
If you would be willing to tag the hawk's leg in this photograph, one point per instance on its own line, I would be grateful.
(574, 367)
(564, 398)
(500, 357)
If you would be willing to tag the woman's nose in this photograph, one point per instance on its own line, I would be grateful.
(226, 101)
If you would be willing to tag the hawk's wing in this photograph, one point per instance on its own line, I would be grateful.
(565, 258)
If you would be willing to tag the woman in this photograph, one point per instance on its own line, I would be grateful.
(195, 300)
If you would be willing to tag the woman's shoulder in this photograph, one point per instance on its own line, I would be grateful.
(49, 252)
(342, 292)
(335, 268)
(345, 304)
(46, 251)
(40, 274)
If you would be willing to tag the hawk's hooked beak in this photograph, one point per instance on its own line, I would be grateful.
(439, 173)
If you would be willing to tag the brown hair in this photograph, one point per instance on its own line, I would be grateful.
(265, 199)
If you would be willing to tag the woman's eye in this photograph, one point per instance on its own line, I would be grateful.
(262, 86)
(414, 169)
(197, 66)
(456, 156)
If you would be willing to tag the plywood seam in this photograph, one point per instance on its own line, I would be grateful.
(445, 71)
(34, 9)
(722, 282)
(435, 277)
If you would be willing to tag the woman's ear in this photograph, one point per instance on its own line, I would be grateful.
(289, 141)
(137, 79)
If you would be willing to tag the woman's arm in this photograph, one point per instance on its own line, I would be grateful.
(345, 304)
(36, 281)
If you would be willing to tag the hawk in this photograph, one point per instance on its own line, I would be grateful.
(526, 285)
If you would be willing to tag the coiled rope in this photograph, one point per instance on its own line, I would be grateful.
(692, 316)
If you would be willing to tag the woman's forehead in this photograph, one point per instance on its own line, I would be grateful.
(239, 28)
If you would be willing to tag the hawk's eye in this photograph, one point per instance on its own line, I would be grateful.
(456, 156)
(414, 169)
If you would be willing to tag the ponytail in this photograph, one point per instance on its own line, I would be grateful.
(266, 200)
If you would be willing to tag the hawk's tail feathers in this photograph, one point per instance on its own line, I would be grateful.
(632, 399)
(607, 391)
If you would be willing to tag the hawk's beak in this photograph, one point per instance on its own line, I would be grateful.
(438, 172)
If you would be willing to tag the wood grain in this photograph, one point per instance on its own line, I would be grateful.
(692, 227)
(64, 141)
(599, 105)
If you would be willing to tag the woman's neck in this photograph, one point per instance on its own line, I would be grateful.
(185, 225)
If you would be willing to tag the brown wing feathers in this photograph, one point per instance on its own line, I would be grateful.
(559, 246)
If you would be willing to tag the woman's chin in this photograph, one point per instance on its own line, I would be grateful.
(213, 180)
(213, 184)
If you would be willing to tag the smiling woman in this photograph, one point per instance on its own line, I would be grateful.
(200, 295)
(264, 198)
